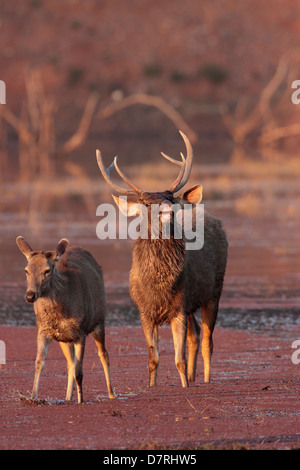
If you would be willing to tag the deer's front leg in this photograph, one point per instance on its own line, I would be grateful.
(43, 343)
(69, 353)
(151, 336)
(179, 326)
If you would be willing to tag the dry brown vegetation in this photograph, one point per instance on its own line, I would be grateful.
(222, 74)
(41, 153)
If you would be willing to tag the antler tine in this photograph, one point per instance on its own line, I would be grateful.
(106, 175)
(176, 183)
(186, 165)
(124, 177)
(172, 160)
(189, 160)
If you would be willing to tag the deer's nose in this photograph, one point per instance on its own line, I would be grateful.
(30, 296)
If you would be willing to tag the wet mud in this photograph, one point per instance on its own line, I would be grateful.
(252, 401)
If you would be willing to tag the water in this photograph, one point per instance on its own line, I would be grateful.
(262, 284)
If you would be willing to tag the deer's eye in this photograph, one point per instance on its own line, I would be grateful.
(47, 271)
(26, 271)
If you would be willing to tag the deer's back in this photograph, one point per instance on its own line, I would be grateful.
(83, 272)
(205, 268)
(76, 258)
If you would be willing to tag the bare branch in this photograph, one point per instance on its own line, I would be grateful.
(240, 124)
(149, 100)
(23, 132)
(279, 133)
(80, 135)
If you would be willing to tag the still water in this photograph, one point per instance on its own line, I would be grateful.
(261, 290)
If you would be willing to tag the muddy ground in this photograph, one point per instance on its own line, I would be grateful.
(252, 401)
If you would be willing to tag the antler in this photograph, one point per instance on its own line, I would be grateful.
(106, 175)
(124, 177)
(181, 180)
(185, 164)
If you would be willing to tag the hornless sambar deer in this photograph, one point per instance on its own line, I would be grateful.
(67, 289)
(169, 283)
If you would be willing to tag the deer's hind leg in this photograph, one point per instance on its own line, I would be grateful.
(209, 313)
(99, 337)
(79, 354)
(193, 334)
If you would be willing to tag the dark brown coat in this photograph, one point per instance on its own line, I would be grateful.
(67, 290)
(169, 283)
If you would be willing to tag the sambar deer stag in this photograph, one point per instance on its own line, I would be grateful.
(67, 290)
(168, 282)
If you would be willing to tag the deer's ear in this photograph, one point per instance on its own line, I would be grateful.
(61, 247)
(23, 246)
(51, 256)
(129, 206)
(193, 195)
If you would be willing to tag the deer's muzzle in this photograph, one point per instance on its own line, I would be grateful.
(30, 296)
